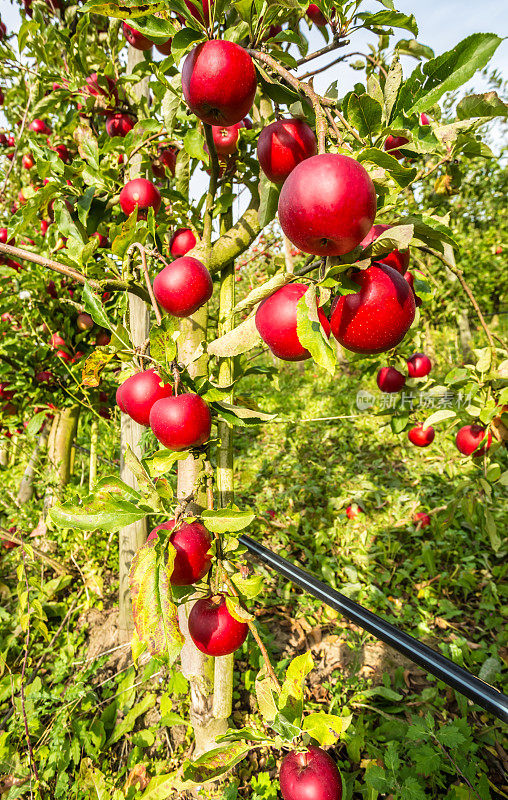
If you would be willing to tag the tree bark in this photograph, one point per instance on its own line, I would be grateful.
(26, 486)
(133, 536)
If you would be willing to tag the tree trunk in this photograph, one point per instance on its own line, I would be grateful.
(4, 451)
(60, 441)
(26, 486)
(197, 668)
(133, 536)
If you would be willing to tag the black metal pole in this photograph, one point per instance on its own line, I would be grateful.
(458, 678)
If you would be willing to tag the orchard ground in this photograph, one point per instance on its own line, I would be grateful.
(443, 584)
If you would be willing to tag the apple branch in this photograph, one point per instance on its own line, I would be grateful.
(148, 282)
(336, 43)
(70, 272)
(460, 275)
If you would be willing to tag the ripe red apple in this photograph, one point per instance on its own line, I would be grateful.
(28, 161)
(327, 205)
(499, 250)
(376, 318)
(164, 48)
(201, 11)
(11, 141)
(62, 153)
(84, 322)
(181, 242)
(420, 437)
(284, 144)
(183, 286)
(310, 775)
(4, 237)
(168, 157)
(409, 278)
(103, 240)
(424, 120)
(192, 544)
(56, 341)
(316, 16)
(354, 511)
(398, 259)
(119, 124)
(135, 38)
(225, 138)
(181, 422)
(392, 143)
(276, 322)
(419, 365)
(39, 126)
(141, 194)
(421, 519)
(3, 31)
(5, 393)
(468, 440)
(102, 339)
(212, 628)
(51, 289)
(44, 377)
(63, 355)
(137, 395)
(219, 82)
(390, 380)
(94, 88)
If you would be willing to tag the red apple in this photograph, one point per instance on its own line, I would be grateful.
(102, 339)
(310, 775)
(409, 278)
(103, 240)
(225, 138)
(284, 144)
(192, 542)
(219, 82)
(164, 48)
(212, 628)
(276, 322)
(419, 365)
(39, 126)
(354, 511)
(63, 355)
(499, 250)
(28, 161)
(181, 422)
(181, 242)
(398, 259)
(4, 237)
(424, 120)
(56, 341)
(62, 153)
(390, 380)
(3, 31)
(202, 11)
(469, 438)
(316, 16)
(84, 322)
(392, 143)
(168, 157)
(376, 318)
(2, 98)
(135, 38)
(51, 289)
(420, 437)
(119, 124)
(327, 205)
(93, 87)
(137, 395)
(44, 377)
(183, 286)
(141, 194)
(421, 519)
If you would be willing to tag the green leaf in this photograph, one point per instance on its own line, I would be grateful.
(94, 307)
(84, 203)
(427, 759)
(375, 776)
(241, 416)
(410, 47)
(35, 423)
(296, 673)
(126, 725)
(248, 587)
(111, 506)
(215, 763)
(488, 104)
(157, 29)
(439, 416)
(325, 728)
(183, 41)
(266, 694)
(130, 232)
(227, 520)
(240, 340)
(93, 366)
(155, 614)
(163, 340)
(286, 729)
(401, 175)
(364, 113)
(268, 200)
(447, 72)
(162, 461)
(311, 334)
(392, 86)
(193, 143)
(393, 19)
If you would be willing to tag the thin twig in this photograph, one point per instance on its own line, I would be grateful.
(294, 82)
(148, 282)
(332, 46)
(143, 143)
